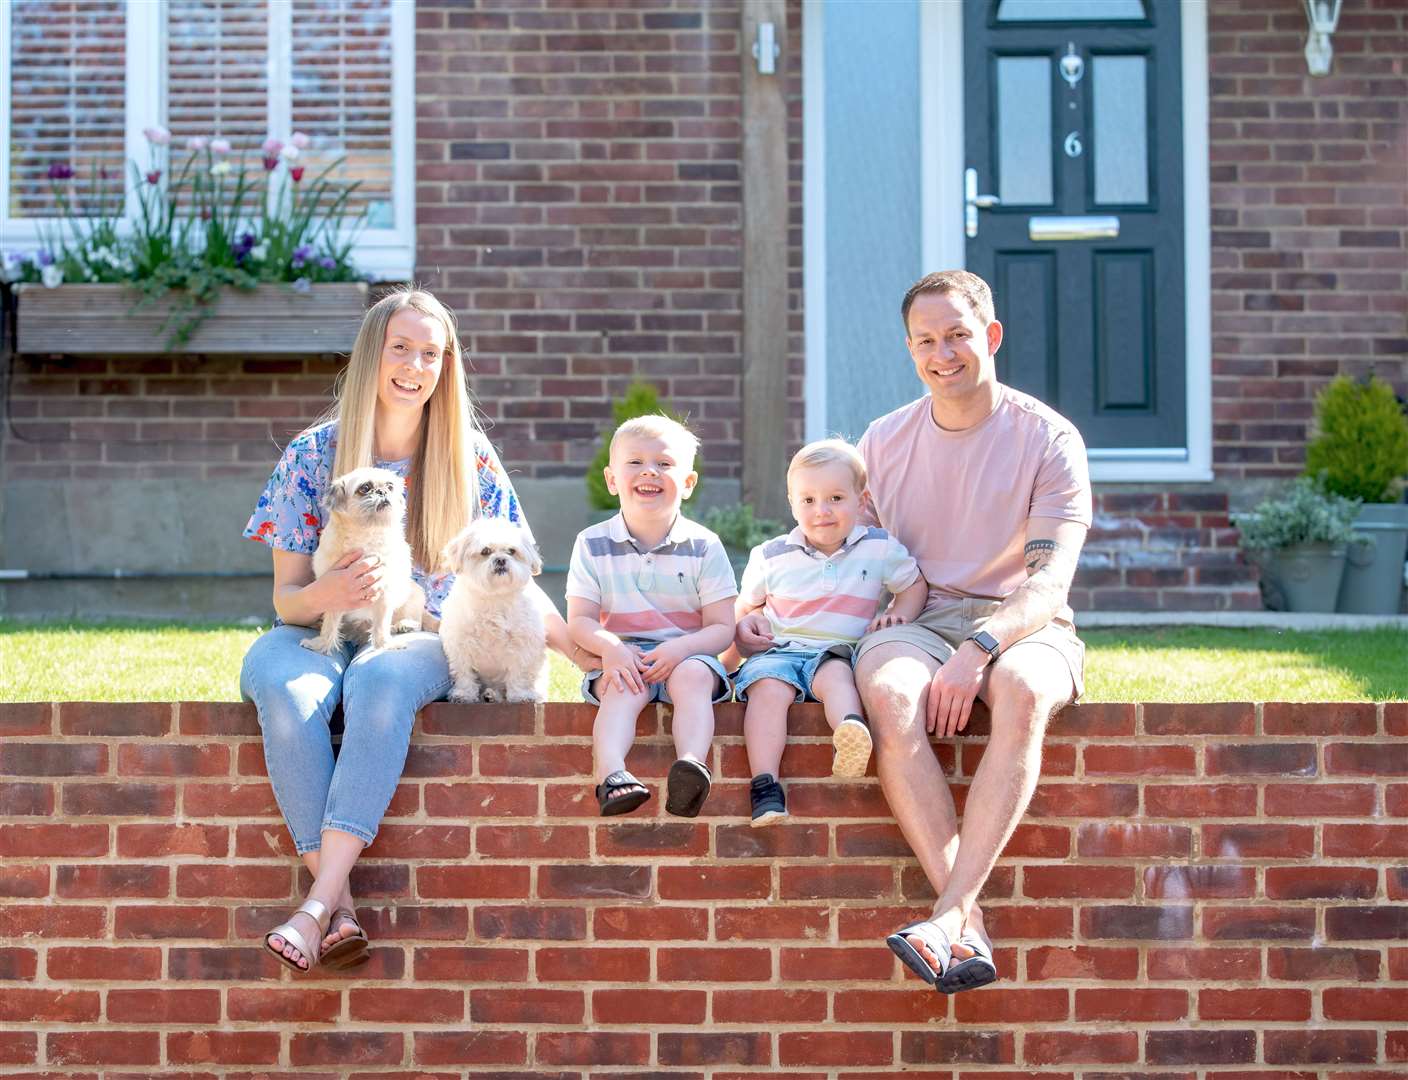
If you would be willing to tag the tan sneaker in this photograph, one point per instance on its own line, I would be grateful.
(852, 742)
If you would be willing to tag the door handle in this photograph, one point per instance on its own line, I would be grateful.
(973, 202)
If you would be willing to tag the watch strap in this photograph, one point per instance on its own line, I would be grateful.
(986, 642)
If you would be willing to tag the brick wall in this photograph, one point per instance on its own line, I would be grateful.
(1309, 220)
(1199, 890)
(578, 202)
(1159, 547)
(158, 417)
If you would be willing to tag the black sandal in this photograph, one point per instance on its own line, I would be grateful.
(687, 787)
(613, 803)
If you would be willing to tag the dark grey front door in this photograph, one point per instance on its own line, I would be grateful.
(1073, 121)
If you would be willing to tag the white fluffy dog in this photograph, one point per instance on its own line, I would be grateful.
(367, 509)
(491, 630)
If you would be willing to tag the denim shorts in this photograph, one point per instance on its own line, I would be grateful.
(796, 667)
(723, 688)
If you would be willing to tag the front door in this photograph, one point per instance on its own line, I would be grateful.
(1073, 122)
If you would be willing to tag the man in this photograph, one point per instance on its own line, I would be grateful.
(990, 491)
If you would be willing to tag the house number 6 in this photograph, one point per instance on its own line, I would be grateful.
(1073, 146)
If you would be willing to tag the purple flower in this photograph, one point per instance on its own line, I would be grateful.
(327, 262)
(45, 258)
(244, 245)
(60, 171)
(301, 255)
(302, 285)
(154, 177)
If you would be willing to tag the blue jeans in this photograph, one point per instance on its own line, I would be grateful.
(296, 692)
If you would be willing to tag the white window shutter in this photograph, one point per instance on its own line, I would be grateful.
(66, 103)
(341, 96)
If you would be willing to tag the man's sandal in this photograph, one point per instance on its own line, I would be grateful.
(913, 959)
(347, 952)
(620, 793)
(318, 912)
(972, 972)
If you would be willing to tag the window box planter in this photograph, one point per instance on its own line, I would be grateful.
(79, 320)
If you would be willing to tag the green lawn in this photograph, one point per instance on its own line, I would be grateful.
(147, 662)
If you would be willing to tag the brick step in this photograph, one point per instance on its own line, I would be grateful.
(1196, 887)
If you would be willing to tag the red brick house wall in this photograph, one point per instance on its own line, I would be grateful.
(1309, 220)
(578, 200)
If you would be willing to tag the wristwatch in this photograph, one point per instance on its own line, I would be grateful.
(986, 642)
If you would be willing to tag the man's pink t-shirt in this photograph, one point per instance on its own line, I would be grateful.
(960, 500)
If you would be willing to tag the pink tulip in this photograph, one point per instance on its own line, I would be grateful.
(300, 140)
(197, 143)
(272, 146)
(296, 172)
(154, 177)
(157, 136)
(220, 146)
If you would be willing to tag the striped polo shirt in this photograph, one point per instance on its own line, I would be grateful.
(652, 594)
(814, 600)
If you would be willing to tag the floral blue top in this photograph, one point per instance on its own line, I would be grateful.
(289, 515)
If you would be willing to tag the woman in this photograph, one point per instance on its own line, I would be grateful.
(401, 404)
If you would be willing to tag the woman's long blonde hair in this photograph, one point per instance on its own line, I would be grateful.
(443, 495)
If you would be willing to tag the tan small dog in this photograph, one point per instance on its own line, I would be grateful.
(492, 632)
(367, 508)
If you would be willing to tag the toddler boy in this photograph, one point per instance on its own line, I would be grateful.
(651, 593)
(807, 598)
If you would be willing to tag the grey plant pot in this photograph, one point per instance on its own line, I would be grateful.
(1373, 575)
(1302, 578)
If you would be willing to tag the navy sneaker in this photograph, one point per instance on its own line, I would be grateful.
(769, 801)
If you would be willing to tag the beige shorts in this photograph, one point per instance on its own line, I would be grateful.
(940, 629)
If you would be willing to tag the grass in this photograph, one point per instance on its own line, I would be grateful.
(168, 662)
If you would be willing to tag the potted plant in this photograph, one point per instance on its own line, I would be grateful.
(1298, 538)
(217, 257)
(641, 399)
(1360, 451)
(740, 531)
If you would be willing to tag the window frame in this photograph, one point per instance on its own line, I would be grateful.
(386, 254)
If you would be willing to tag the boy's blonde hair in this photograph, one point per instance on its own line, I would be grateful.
(658, 426)
(829, 452)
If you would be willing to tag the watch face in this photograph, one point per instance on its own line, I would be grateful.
(986, 642)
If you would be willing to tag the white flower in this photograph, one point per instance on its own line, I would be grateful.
(197, 142)
(300, 140)
(289, 153)
(260, 251)
(157, 136)
(10, 266)
(53, 276)
(220, 168)
(220, 146)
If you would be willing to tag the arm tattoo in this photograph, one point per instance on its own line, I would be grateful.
(1039, 554)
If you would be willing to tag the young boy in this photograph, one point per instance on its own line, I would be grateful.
(651, 593)
(818, 589)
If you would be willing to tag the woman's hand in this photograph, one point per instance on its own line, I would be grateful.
(353, 582)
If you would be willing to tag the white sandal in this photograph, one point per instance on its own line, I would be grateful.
(318, 912)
